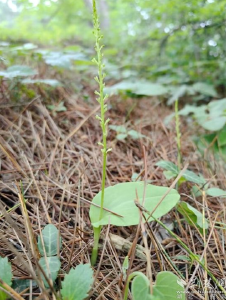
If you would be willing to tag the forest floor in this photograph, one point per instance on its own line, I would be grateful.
(54, 157)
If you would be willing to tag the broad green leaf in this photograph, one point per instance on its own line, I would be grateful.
(139, 87)
(141, 288)
(120, 200)
(51, 82)
(5, 275)
(216, 192)
(205, 89)
(77, 283)
(51, 267)
(168, 286)
(149, 89)
(212, 124)
(192, 216)
(62, 59)
(51, 239)
(17, 71)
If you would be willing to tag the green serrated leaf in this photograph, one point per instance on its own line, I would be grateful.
(52, 241)
(51, 267)
(5, 275)
(77, 283)
(120, 199)
(192, 216)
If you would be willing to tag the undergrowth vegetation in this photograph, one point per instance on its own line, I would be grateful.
(141, 218)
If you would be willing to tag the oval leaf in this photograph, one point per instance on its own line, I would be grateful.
(77, 283)
(51, 267)
(52, 240)
(120, 200)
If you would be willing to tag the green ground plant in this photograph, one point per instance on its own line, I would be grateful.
(76, 283)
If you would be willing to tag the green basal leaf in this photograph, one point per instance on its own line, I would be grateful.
(192, 216)
(77, 283)
(5, 275)
(141, 288)
(51, 267)
(52, 240)
(120, 200)
(168, 286)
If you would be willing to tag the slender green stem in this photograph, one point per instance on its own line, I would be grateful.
(96, 231)
(103, 123)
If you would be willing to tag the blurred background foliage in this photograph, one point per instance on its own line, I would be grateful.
(172, 40)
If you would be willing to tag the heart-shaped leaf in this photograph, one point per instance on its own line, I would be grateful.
(77, 283)
(168, 286)
(141, 288)
(120, 200)
(51, 239)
